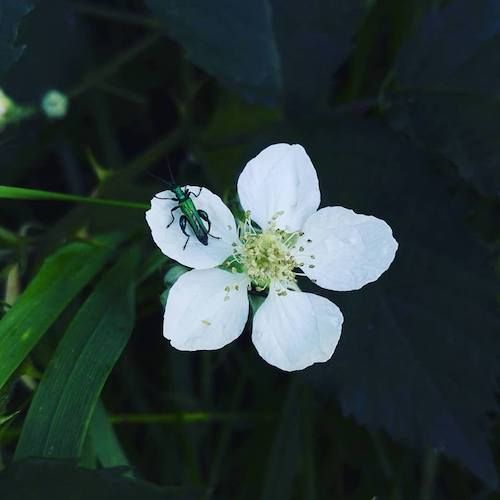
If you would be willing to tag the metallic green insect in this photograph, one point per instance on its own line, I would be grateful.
(191, 216)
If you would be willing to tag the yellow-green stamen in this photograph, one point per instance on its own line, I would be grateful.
(266, 256)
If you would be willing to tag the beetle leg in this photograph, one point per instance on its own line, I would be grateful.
(172, 214)
(182, 224)
(159, 198)
(196, 195)
(205, 217)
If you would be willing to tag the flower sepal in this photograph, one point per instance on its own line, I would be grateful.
(171, 276)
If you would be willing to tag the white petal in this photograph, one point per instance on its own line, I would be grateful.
(280, 178)
(171, 239)
(199, 316)
(349, 249)
(296, 330)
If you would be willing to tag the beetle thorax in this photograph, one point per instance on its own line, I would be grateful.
(180, 193)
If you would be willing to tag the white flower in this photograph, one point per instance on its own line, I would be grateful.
(336, 248)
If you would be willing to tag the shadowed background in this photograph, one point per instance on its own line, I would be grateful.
(396, 104)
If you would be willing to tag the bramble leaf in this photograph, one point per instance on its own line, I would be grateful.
(260, 50)
(11, 14)
(448, 78)
(418, 355)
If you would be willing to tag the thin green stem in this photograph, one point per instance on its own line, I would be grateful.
(188, 417)
(96, 77)
(122, 93)
(17, 193)
(9, 434)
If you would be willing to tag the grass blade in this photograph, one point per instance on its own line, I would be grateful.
(61, 410)
(107, 447)
(18, 193)
(46, 296)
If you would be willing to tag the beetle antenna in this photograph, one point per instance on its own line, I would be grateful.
(158, 178)
(170, 172)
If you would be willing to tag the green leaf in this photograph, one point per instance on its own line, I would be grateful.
(260, 50)
(61, 410)
(317, 45)
(104, 440)
(11, 14)
(58, 480)
(49, 63)
(18, 193)
(448, 74)
(418, 355)
(57, 283)
(226, 46)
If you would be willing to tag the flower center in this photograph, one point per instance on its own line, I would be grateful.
(265, 256)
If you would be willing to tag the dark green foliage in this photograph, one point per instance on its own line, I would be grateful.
(56, 56)
(46, 297)
(261, 51)
(418, 355)
(232, 41)
(11, 14)
(287, 449)
(108, 449)
(396, 104)
(318, 44)
(70, 388)
(450, 78)
(35, 479)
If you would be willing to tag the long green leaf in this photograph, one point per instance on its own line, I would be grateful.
(106, 445)
(58, 281)
(18, 193)
(64, 402)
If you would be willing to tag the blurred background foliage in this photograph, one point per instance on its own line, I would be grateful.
(397, 103)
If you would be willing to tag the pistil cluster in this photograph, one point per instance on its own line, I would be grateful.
(266, 256)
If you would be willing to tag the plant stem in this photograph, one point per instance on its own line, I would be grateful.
(187, 417)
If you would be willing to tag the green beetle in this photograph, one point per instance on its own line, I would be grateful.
(191, 215)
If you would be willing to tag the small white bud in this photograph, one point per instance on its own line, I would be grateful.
(55, 104)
